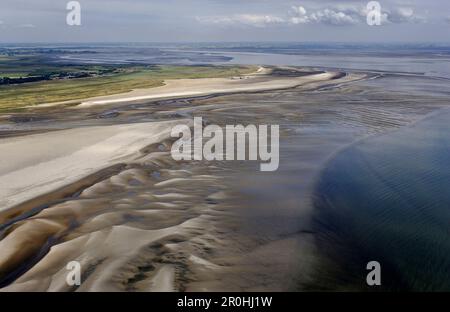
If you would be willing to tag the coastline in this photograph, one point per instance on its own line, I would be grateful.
(175, 214)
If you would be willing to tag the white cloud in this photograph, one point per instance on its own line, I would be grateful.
(340, 15)
(351, 15)
(256, 20)
(325, 16)
(332, 17)
(404, 15)
(26, 26)
(299, 15)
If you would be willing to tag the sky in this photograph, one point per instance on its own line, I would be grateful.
(224, 21)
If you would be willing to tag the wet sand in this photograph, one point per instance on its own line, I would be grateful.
(144, 222)
(50, 163)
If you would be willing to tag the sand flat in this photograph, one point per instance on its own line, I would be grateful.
(135, 231)
(207, 86)
(36, 164)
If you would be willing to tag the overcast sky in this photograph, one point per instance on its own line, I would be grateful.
(224, 20)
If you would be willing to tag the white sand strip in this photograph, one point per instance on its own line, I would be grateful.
(36, 164)
(198, 87)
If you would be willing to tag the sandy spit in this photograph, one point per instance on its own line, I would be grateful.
(200, 87)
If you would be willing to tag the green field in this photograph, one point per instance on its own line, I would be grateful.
(105, 80)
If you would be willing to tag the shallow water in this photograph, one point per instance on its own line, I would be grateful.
(388, 199)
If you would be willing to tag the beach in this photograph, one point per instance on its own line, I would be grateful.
(200, 87)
